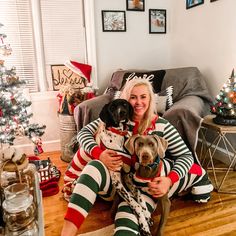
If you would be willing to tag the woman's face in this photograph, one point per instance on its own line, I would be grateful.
(140, 100)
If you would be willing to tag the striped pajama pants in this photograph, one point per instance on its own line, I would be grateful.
(95, 180)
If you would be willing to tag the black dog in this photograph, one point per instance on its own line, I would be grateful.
(110, 135)
(112, 131)
(116, 112)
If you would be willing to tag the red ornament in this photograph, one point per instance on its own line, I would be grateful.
(213, 109)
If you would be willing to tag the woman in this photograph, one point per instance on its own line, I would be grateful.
(95, 178)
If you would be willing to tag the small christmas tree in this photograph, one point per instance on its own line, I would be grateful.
(14, 116)
(225, 105)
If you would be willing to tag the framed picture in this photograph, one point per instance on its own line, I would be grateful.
(63, 76)
(135, 5)
(157, 21)
(193, 3)
(113, 21)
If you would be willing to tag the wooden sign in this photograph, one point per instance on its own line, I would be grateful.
(63, 76)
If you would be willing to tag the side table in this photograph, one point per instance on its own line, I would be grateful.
(221, 132)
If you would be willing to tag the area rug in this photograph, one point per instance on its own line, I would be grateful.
(106, 231)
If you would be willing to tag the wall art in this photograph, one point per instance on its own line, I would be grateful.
(135, 5)
(113, 21)
(157, 21)
(193, 3)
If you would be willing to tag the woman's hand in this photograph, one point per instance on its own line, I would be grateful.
(159, 186)
(111, 160)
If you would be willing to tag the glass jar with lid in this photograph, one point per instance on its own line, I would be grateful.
(19, 209)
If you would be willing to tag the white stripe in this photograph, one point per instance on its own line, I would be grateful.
(127, 229)
(126, 215)
(87, 192)
(173, 189)
(75, 172)
(77, 162)
(171, 133)
(78, 209)
(184, 184)
(198, 190)
(68, 179)
(94, 173)
(160, 127)
(108, 179)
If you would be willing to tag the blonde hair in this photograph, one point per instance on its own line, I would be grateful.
(148, 116)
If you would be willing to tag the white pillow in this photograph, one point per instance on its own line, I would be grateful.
(164, 99)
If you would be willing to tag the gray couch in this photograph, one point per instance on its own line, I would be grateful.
(190, 96)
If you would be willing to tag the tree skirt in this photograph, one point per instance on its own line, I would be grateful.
(106, 231)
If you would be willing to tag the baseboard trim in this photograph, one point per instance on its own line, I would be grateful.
(48, 146)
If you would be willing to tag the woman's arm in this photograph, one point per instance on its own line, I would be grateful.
(180, 153)
(87, 142)
(86, 138)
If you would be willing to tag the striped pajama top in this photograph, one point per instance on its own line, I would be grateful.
(180, 154)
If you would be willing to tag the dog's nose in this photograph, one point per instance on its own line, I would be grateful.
(145, 157)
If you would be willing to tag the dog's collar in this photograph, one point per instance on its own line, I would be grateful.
(117, 131)
(154, 165)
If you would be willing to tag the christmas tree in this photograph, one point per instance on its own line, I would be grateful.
(225, 105)
(14, 116)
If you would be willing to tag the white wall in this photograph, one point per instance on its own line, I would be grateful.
(44, 108)
(135, 48)
(204, 36)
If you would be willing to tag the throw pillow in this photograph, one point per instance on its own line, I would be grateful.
(164, 99)
(155, 77)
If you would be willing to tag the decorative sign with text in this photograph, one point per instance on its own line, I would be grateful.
(62, 76)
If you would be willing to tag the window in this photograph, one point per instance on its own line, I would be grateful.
(43, 33)
(17, 20)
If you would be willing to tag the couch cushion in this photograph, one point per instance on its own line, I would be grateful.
(120, 77)
(155, 77)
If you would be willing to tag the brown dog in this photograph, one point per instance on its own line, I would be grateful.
(150, 149)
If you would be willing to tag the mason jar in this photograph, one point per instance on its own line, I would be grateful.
(19, 208)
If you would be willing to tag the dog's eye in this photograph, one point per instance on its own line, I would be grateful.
(140, 144)
(150, 144)
(112, 108)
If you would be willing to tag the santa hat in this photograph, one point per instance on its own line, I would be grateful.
(84, 70)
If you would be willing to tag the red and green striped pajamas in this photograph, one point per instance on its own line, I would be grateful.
(95, 178)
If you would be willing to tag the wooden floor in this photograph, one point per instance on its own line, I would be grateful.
(217, 217)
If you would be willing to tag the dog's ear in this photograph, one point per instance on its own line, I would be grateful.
(103, 114)
(131, 111)
(162, 145)
(129, 143)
